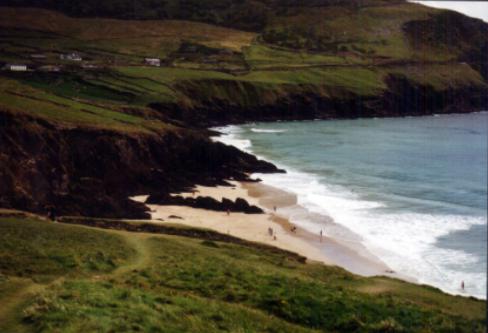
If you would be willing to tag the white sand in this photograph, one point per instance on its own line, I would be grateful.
(254, 227)
(251, 227)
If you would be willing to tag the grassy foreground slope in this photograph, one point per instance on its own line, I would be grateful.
(108, 281)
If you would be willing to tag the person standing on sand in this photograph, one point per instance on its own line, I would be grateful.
(321, 235)
(228, 212)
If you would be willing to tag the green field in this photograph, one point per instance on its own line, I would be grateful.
(80, 104)
(108, 281)
(328, 52)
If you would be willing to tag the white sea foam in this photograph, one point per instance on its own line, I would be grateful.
(264, 130)
(407, 242)
(404, 241)
(230, 137)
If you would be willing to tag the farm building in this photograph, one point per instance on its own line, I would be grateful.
(71, 56)
(89, 66)
(38, 56)
(152, 62)
(49, 68)
(15, 67)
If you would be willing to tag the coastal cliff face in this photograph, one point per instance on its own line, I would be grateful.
(84, 136)
(92, 172)
(401, 97)
(82, 171)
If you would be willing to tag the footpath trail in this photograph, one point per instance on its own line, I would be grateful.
(9, 313)
(142, 255)
(28, 289)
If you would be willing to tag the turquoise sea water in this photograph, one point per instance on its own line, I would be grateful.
(414, 190)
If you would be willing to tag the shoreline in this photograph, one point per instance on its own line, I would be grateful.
(350, 255)
(254, 227)
(375, 245)
(215, 126)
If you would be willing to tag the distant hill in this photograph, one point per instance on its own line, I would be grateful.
(245, 14)
(364, 28)
(221, 62)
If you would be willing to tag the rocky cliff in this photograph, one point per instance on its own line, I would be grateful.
(401, 97)
(89, 172)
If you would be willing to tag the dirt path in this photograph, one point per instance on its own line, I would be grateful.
(141, 258)
(10, 305)
(9, 313)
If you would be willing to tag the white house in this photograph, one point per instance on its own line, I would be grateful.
(71, 56)
(38, 56)
(89, 66)
(49, 68)
(16, 67)
(152, 62)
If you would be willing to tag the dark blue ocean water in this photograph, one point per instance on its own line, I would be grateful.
(414, 189)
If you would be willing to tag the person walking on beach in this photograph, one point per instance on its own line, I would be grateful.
(270, 232)
(321, 235)
(228, 212)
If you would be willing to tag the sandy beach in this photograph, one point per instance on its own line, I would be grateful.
(348, 254)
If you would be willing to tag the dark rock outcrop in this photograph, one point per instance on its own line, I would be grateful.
(240, 205)
(92, 172)
(402, 97)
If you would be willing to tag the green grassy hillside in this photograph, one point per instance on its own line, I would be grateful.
(116, 96)
(109, 281)
(361, 28)
(63, 104)
(317, 50)
(372, 32)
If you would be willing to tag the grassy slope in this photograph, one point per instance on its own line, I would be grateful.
(362, 35)
(35, 255)
(57, 104)
(107, 281)
(136, 38)
(98, 99)
(345, 49)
